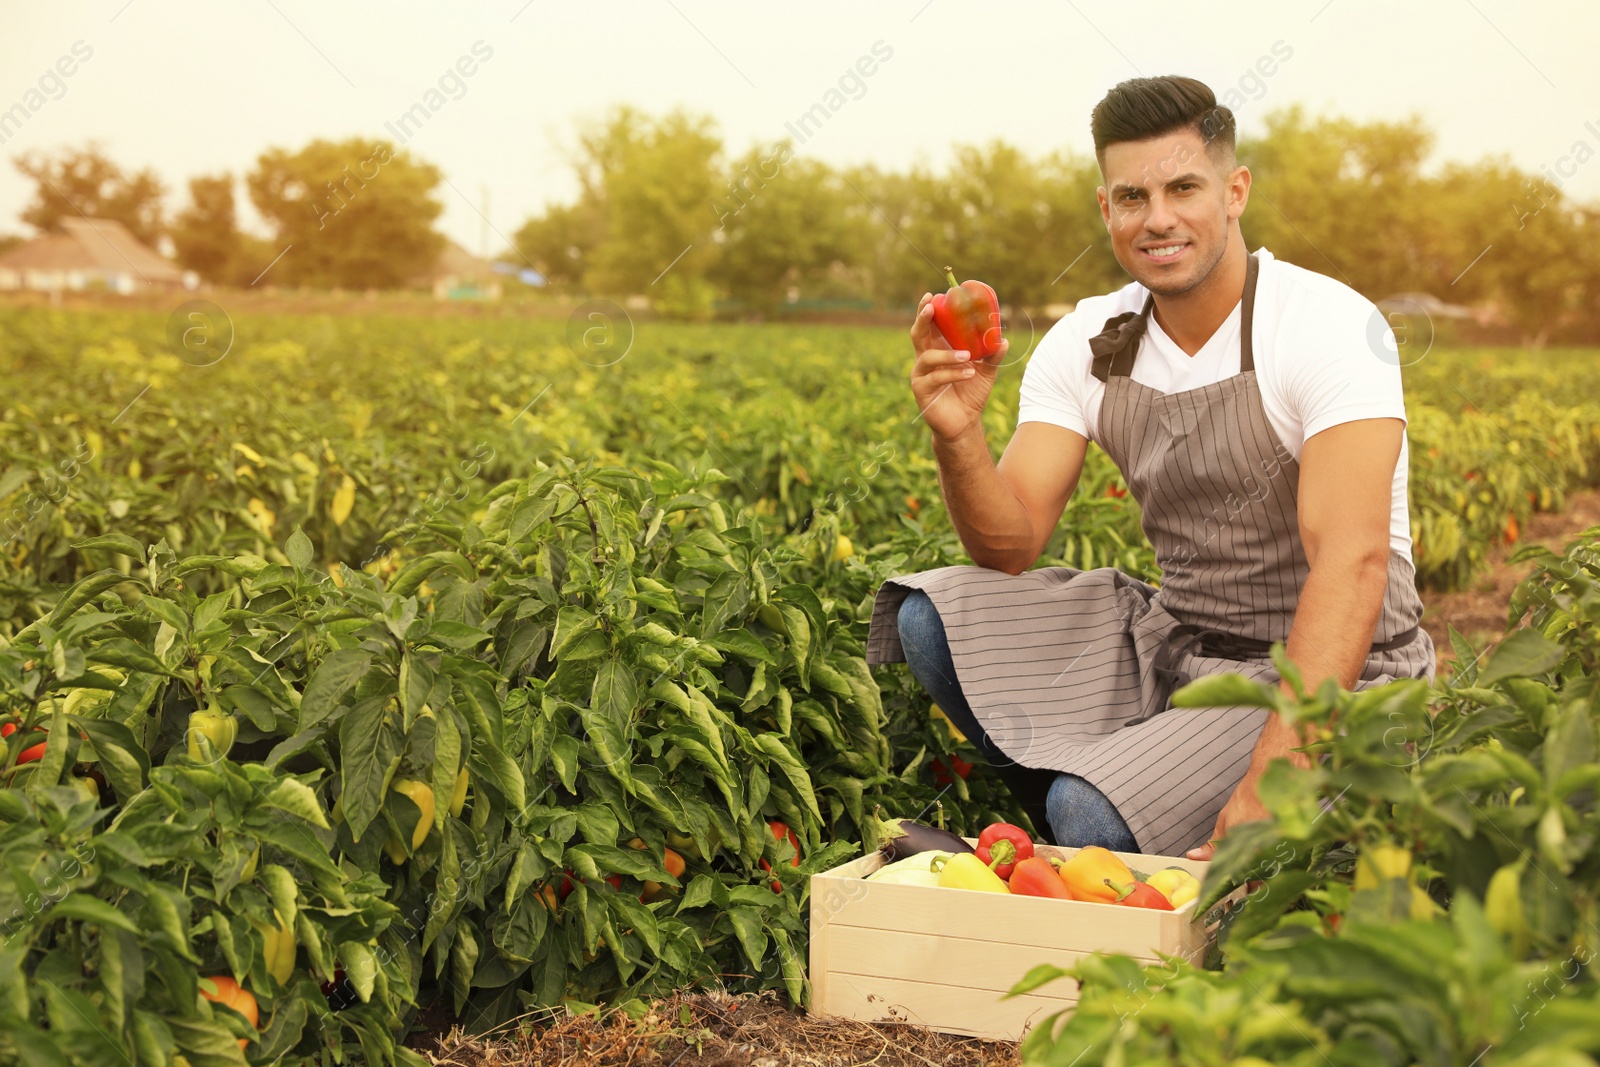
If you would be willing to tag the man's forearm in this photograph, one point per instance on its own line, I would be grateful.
(990, 520)
(1331, 638)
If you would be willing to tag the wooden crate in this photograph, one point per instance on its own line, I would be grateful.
(943, 958)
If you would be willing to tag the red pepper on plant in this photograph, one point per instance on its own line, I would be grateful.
(942, 774)
(29, 754)
(1002, 846)
(968, 316)
(780, 830)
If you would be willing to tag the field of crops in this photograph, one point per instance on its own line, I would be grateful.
(620, 599)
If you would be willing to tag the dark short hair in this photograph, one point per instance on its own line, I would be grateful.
(1141, 108)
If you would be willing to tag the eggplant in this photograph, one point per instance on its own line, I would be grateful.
(905, 837)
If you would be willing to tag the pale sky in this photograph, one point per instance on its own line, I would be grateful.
(191, 87)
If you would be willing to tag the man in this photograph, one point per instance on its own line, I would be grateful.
(1255, 411)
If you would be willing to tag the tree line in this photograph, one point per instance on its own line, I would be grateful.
(665, 210)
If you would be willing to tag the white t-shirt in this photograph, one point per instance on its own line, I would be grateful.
(1324, 355)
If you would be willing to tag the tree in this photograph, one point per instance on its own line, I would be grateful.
(1344, 199)
(559, 242)
(353, 213)
(83, 182)
(785, 222)
(643, 221)
(206, 235)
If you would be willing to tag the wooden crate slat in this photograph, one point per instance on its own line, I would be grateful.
(949, 1009)
(947, 960)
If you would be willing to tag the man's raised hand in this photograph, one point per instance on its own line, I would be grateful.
(950, 387)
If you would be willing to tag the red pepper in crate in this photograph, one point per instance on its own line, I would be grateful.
(1002, 846)
(1035, 877)
(1141, 895)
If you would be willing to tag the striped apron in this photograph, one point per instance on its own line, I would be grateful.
(1073, 670)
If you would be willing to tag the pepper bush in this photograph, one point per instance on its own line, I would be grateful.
(1428, 894)
(613, 659)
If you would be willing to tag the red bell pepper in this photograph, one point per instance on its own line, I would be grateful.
(780, 830)
(1035, 877)
(942, 774)
(1141, 895)
(968, 316)
(1002, 846)
(29, 754)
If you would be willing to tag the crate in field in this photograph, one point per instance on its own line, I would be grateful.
(944, 958)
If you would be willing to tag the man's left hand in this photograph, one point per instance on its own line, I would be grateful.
(1242, 807)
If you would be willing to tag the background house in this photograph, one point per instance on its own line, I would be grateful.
(459, 275)
(88, 254)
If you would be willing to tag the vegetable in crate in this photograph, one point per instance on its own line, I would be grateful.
(1002, 845)
(904, 837)
(1035, 877)
(1090, 873)
(1141, 895)
(1176, 884)
(966, 871)
(913, 870)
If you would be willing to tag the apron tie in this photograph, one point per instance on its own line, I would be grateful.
(1188, 637)
(1117, 344)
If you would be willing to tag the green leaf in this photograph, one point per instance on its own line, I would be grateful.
(360, 967)
(446, 765)
(751, 931)
(92, 909)
(728, 596)
(121, 652)
(48, 772)
(120, 756)
(793, 769)
(298, 799)
(370, 749)
(1039, 976)
(298, 549)
(1524, 654)
(334, 676)
(83, 591)
(115, 542)
(609, 716)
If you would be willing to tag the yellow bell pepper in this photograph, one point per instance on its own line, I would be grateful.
(420, 794)
(966, 871)
(1377, 865)
(1176, 884)
(1091, 873)
(279, 945)
(216, 726)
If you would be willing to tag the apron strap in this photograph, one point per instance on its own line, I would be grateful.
(1188, 637)
(1247, 352)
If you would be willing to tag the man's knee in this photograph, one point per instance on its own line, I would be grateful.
(918, 621)
(1081, 815)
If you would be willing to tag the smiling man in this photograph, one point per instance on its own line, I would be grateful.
(1255, 410)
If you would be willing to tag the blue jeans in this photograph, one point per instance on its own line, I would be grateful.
(1076, 812)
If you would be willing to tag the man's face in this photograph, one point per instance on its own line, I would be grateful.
(1166, 193)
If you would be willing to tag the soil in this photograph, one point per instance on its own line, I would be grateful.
(1479, 612)
(716, 1030)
